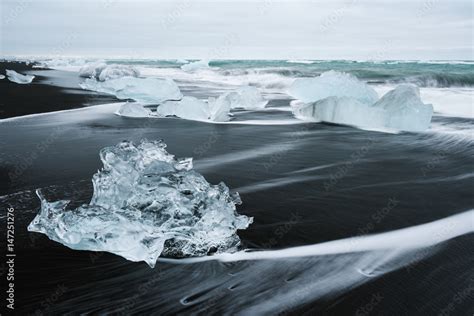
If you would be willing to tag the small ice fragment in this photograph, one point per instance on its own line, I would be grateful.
(191, 108)
(143, 90)
(118, 71)
(2, 77)
(133, 110)
(246, 97)
(196, 65)
(14, 76)
(146, 203)
(332, 83)
(219, 109)
(92, 70)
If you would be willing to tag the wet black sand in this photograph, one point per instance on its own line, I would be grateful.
(50, 91)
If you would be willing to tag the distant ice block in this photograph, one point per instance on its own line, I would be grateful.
(61, 63)
(196, 65)
(400, 109)
(92, 70)
(246, 97)
(118, 71)
(2, 77)
(191, 108)
(14, 76)
(332, 83)
(142, 90)
(133, 110)
(300, 61)
(102, 72)
(146, 203)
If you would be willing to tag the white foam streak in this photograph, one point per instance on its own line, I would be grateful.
(208, 163)
(410, 238)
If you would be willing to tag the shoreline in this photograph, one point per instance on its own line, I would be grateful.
(50, 91)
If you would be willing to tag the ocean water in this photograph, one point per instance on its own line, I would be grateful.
(346, 221)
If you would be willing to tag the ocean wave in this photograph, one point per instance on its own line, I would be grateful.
(438, 80)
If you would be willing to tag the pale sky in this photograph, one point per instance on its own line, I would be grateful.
(265, 29)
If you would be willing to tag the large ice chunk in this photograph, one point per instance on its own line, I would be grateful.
(332, 83)
(339, 110)
(404, 109)
(146, 203)
(133, 110)
(400, 109)
(16, 77)
(192, 108)
(143, 90)
(196, 65)
(246, 97)
(102, 72)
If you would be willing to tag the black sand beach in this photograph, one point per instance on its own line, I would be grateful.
(50, 91)
(303, 183)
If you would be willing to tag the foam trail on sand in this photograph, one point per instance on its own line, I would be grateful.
(224, 159)
(411, 238)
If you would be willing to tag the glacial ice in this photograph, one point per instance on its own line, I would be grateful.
(246, 97)
(61, 63)
(400, 109)
(196, 65)
(215, 109)
(118, 71)
(146, 203)
(181, 61)
(92, 70)
(192, 108)
(2, 77)
(219, 109)
(143, 90)
(332, 83)
(133, 109)
(404, 109)
(102, 72)
(14, 76)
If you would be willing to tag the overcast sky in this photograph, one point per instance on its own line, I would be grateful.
(266, 29)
